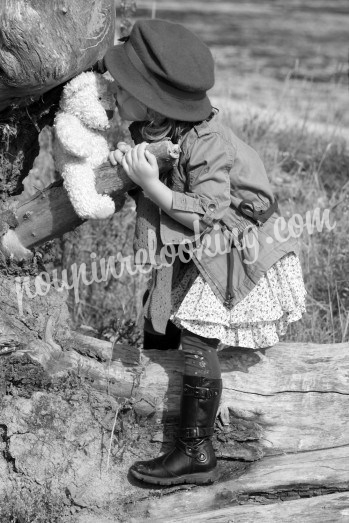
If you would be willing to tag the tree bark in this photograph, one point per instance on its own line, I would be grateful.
(285, 411)
(281, 434)
(328, 508)
(44, 44)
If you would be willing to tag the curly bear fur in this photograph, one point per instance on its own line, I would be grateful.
(80, 143)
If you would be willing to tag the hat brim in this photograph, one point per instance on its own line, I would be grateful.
(148, 90)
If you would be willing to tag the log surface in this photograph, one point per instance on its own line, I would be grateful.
(331, 508)
(43, 45)
(279, 408)
(49, 213)
(268, 479)
(46, 43)
(281, 434)
(299, 407)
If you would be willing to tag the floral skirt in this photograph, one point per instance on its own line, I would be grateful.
(255, 322)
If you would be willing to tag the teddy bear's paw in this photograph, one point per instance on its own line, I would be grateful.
(103, 209)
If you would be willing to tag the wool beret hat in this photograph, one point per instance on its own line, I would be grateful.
(166, 67)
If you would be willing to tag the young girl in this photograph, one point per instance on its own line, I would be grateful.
(219, 196)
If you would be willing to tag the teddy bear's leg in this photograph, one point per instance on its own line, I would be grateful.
(79, 182)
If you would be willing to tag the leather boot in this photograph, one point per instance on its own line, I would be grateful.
(192, 460)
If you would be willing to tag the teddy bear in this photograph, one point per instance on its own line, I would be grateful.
(80, 142)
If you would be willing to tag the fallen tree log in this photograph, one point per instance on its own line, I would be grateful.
(49, 213)
(282, 432)
(285, 411)
(325, 508)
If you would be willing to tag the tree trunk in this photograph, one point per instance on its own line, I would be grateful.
(76, 411)
(44, 44)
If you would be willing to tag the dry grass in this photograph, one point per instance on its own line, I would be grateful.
(309, 171)
(282, 86)
(110, 307)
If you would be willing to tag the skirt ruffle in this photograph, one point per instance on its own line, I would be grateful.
(257, 321)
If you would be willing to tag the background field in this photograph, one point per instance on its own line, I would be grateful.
(260, 45)
(282, 84)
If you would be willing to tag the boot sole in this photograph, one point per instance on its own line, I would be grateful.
(200, 478)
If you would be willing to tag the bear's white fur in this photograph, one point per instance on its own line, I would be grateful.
(80, 143)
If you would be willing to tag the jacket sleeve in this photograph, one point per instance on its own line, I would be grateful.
(209, 160)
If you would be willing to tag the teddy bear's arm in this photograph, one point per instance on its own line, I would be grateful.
(79, 182)
(73, 135)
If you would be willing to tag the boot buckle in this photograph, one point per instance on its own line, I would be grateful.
(193, 451)
(202, 393)
(196, 432)
(190, 433)
(201, 457)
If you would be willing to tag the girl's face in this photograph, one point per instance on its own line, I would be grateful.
(129, 107)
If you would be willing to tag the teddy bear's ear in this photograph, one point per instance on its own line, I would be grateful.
(79, 82)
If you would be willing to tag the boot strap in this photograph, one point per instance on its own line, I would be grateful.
(200, 392)
(196, 432)
(193, 451)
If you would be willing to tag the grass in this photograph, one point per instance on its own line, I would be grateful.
(308, 171)
(281, 79)
(112, 307)
(267, 36)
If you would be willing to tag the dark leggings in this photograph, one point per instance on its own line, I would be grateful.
(200, 356)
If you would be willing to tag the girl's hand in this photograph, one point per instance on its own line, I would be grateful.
(141, 166)
(115, 157)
